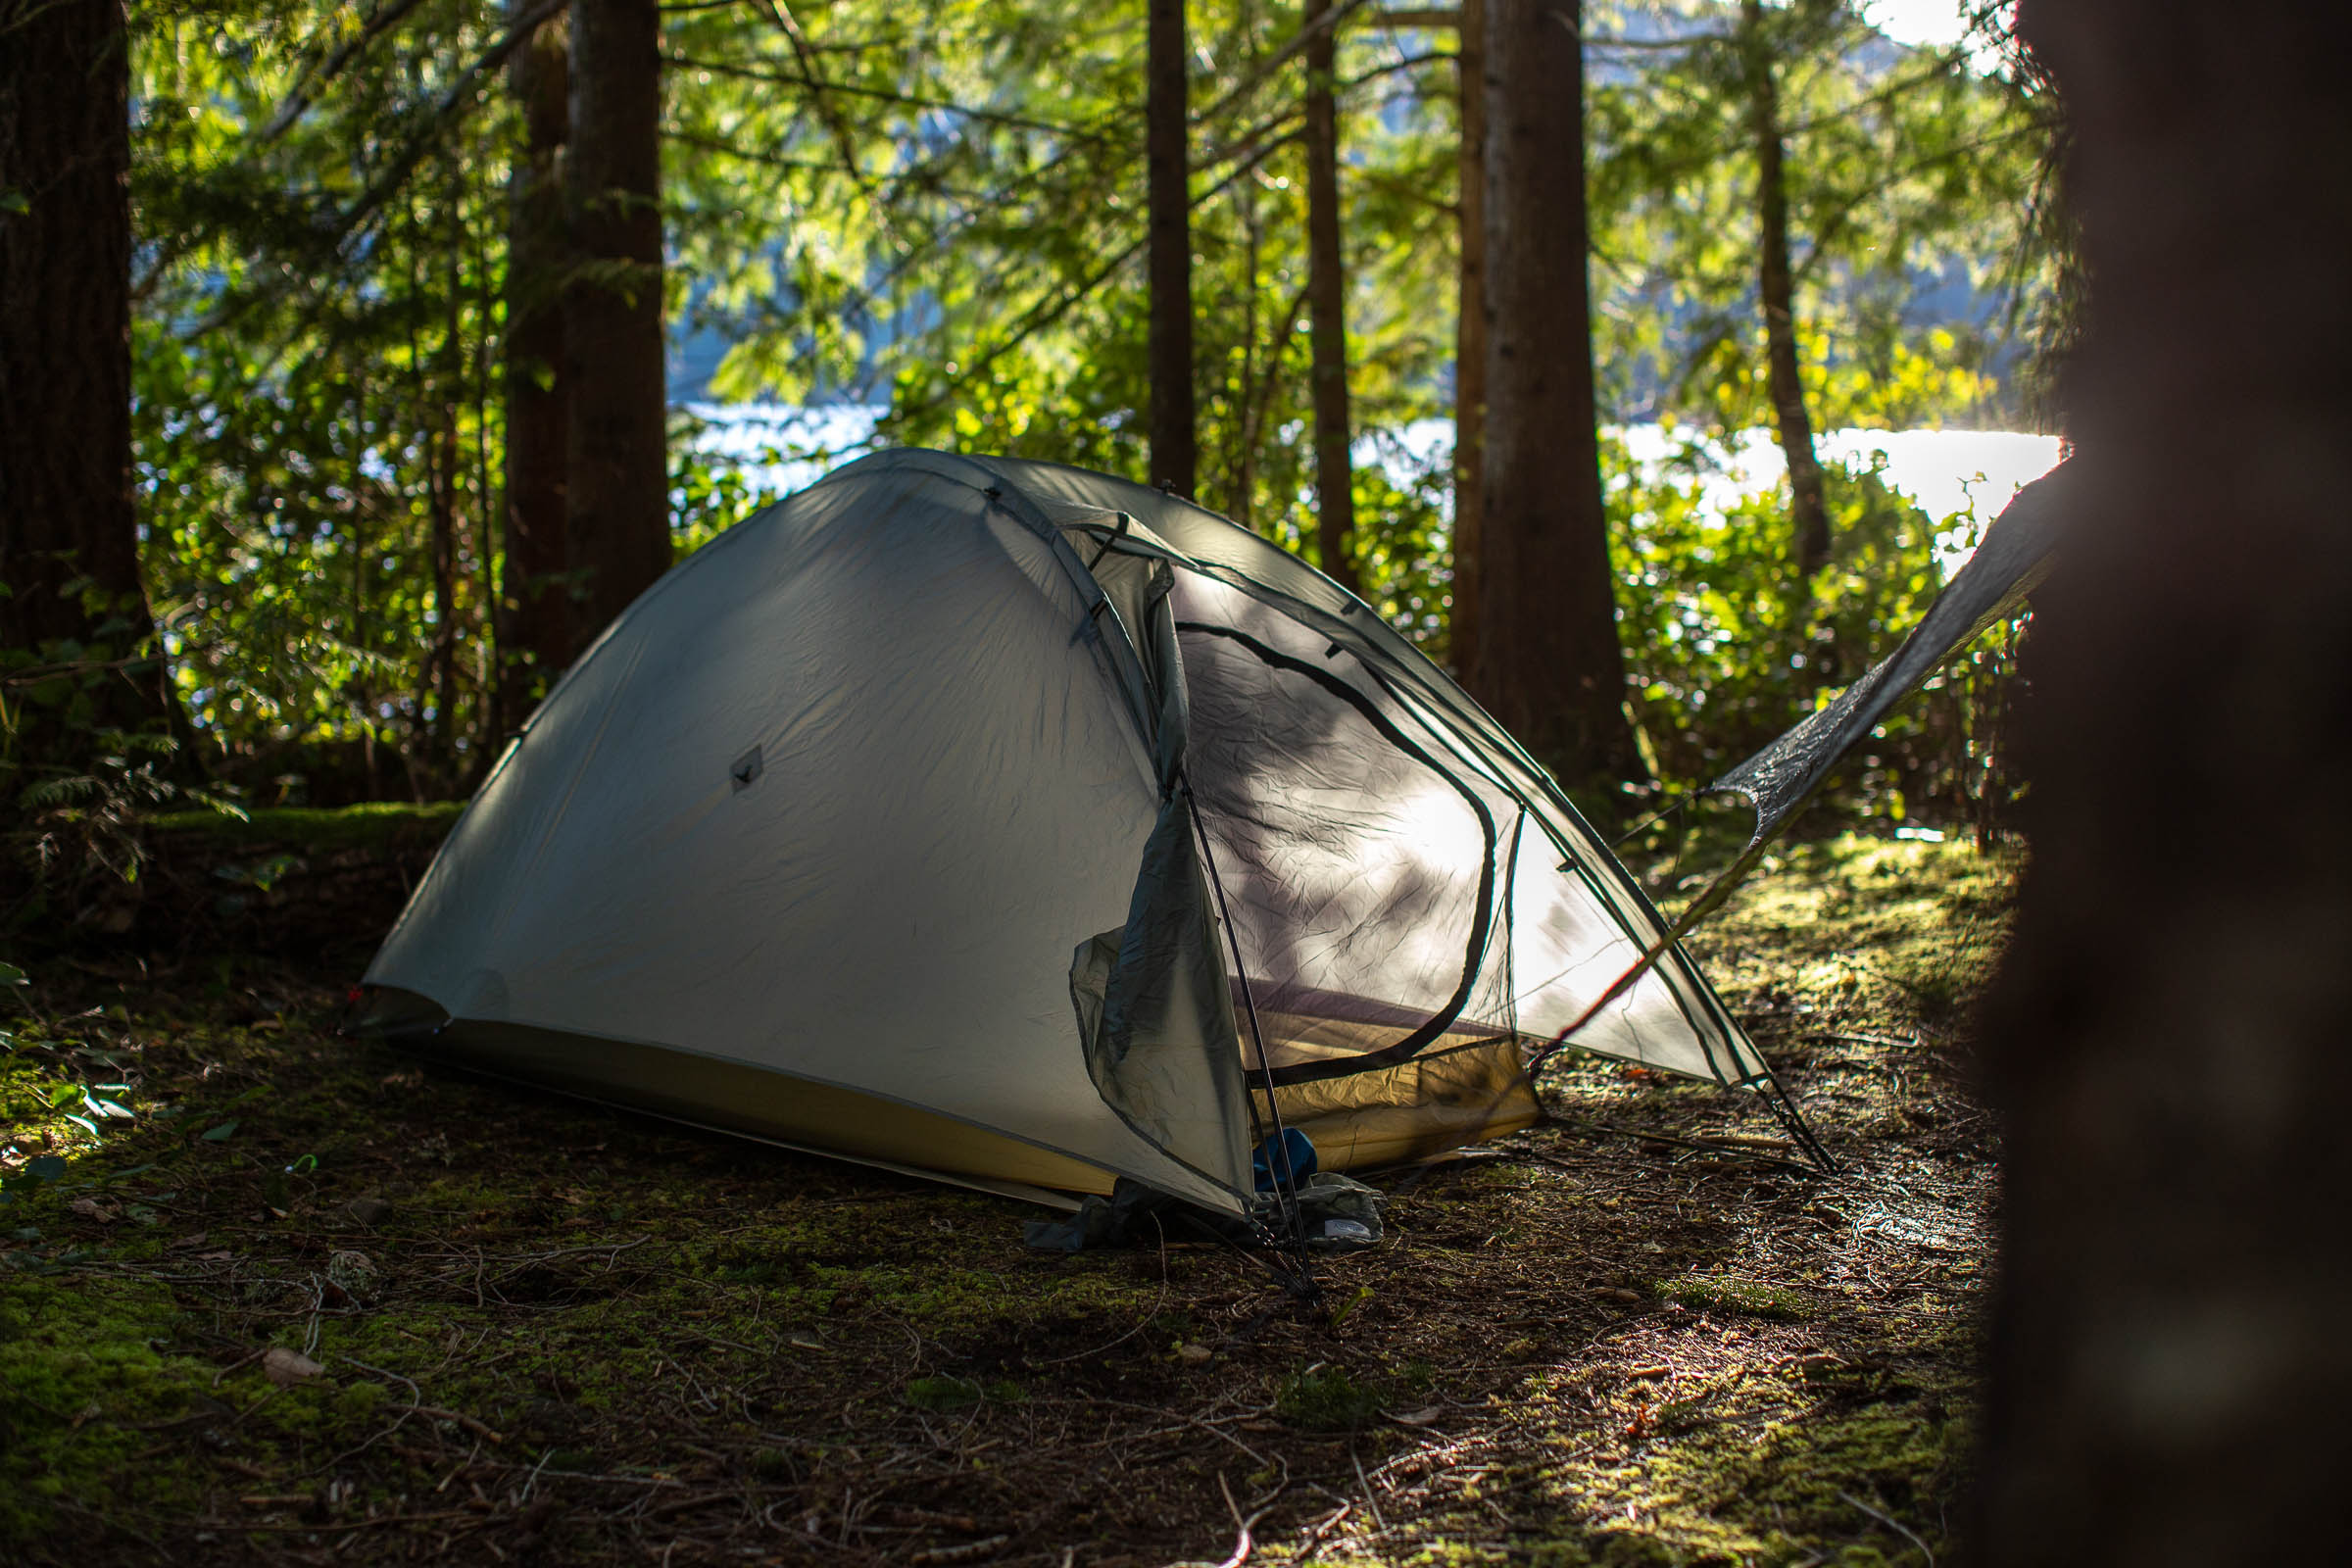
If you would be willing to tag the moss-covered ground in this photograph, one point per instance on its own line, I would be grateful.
(268, 1295)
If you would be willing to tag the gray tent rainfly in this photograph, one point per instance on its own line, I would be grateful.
(1029, 828)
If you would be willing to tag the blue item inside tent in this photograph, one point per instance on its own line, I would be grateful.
(1296, 1155)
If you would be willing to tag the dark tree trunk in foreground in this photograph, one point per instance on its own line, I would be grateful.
(1549, 664)
(617, 507)
(1168, 203)
(1776, 291)
(1469, 334)
(533, 640)
(2169, 1035)
(65, 357)
(1327, 307)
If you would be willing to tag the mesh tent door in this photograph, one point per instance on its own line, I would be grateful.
(1406, 920)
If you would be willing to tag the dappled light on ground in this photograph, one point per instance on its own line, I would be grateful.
(306, 1299)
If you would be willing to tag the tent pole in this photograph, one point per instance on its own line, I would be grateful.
(1793, 1122)
(1279, 1163)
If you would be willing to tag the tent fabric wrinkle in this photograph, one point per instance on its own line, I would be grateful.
(886, 825)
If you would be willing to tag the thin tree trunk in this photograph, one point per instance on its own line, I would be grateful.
(1166, 155)
(1242, 428)
(532, 636)
(1776, 290)
(1469, 334)
(1327, 307)
(616, 503)
(1549, 666)
(448, 475)
(66, 509)
(2167, 1040)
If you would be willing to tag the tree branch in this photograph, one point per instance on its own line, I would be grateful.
(305, 90)
(1048, 312)
(452, 106)
(883, 95)
(1281, 57)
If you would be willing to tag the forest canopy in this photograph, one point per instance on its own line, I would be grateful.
(352, 226)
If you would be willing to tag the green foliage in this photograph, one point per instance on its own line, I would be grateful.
(1327, 1398)
(941, 207)
(1907, 171)
(1725, 648)
(1720, 1293)
(81, 786)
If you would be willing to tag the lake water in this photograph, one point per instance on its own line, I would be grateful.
(1954, 477)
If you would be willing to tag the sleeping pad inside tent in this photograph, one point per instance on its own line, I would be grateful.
(1028, 828)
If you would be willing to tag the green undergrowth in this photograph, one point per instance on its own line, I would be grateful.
(290, 1282)
(1895, 928)
(1327, 1399)
(376, 825)
(1745, 1298)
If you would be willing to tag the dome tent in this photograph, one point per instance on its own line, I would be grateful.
(1029, 828)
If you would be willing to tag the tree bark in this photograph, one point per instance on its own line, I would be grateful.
(1549, 666)
(1776, 291)
(2167, 1038)
(533, 640)
(1169, 202)
(1469, 333)
(616, 506)
(1327, 307)
(66, 509)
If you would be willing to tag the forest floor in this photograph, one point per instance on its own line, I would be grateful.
(305, 1302)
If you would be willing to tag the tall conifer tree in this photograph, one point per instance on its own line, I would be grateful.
(68, 541)
(2167, 1037)
(533, 636)
(617, 507)
(1548, 663)
(1168, 201)
(1327, 305)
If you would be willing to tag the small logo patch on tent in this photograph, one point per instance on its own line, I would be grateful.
(746, 770)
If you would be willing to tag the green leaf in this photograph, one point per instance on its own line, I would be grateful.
(11, 975)
(222, 1133)
(45, 1167)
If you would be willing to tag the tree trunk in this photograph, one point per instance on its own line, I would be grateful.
(2167, 1038)
(1327, 307)
(1549, 664)
(1469, 333)
(1776, 291)
(533, 640)
(66, 512)
(616, 506)
(448, 471)
(1168, 199)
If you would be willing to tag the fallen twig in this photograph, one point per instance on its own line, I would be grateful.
(1893, 1524)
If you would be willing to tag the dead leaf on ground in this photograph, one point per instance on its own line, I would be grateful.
(283, 1366)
